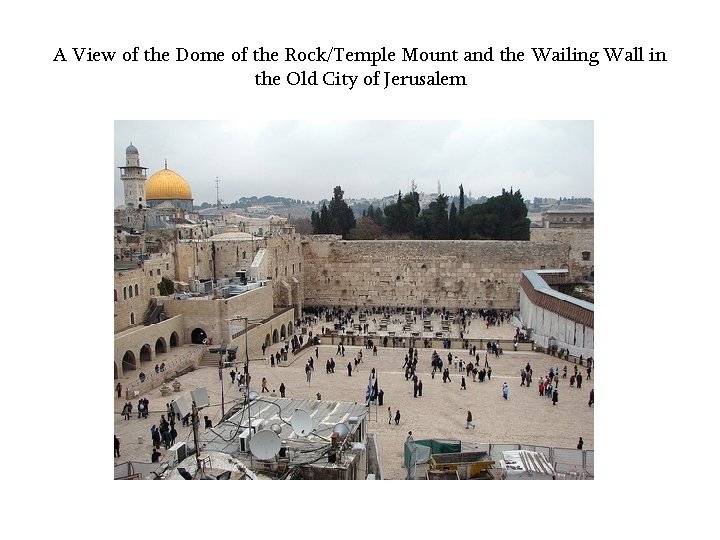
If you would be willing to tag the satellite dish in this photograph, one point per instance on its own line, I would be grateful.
(341, 429)
(265, 444)
(302, 423)
(252, 396)
(277, 428)
(200, 397)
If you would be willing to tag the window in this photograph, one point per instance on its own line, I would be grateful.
(116, 295)
(132, 318)
(124, 293)
(243, 254)
(136, 289)
(585, 255)
(130, 291)
(151, 273)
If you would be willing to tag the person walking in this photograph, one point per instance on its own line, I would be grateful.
(555, 396)
(263, 383)
(580, 444)
(118, 388)
(349, 368)
(397, 417)
(282, 389)
(419, 388)
(117, 446)
(389, 416)
(505, 390)
(592, 397)
(462, 384)
(468, 421)
(155, 436)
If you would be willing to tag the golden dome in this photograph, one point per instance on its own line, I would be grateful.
(167, 184)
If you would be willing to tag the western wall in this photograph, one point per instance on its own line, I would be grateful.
(413, 273)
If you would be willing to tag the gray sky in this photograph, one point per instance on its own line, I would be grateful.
(306, 160)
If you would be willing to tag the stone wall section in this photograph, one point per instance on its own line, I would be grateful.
(448, 273)
(579, 239)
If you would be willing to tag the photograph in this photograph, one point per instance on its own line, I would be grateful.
(436, 273)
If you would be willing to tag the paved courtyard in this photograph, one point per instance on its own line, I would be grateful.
(440, 413)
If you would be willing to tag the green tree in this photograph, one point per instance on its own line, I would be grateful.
(365, 229)
(499, 218)
(166, 287)
(341, 215)
(453, 222)
(433, 221)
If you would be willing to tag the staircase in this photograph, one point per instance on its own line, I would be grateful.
(153, 312)
(210, 359)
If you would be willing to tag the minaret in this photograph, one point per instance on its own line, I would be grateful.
(133, 177)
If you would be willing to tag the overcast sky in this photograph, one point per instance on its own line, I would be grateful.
(306, 160)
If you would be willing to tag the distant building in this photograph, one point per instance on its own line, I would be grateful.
(568, 218)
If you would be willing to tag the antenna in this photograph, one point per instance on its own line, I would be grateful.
(217, 191)
(302, 423)
(265, 444)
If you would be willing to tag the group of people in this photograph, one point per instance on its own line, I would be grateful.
(143, 408)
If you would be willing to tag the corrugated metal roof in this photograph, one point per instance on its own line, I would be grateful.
(539, 284)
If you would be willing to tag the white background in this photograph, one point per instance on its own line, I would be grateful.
(655, 183)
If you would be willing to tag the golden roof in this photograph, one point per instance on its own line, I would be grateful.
(167, 184)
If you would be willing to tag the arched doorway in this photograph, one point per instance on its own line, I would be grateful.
(160, 346)
(283, 335)
(174, 340)
(267, 340)
(145, 354)
(290, 329)
(128, 362)
(198, 335)
(275, 336)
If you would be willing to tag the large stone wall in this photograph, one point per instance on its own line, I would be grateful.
(447, 273)
(579, 239)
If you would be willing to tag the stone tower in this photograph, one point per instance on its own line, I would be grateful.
(133, 177)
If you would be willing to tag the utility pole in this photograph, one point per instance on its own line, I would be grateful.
(196, 420)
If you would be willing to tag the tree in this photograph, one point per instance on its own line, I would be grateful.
(433, 221)
(453, 222)
(341, 215)
(366, 229)
(166, 287)
(499, 218)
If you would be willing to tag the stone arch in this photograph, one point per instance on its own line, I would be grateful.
(267, 340)
(283, 335)
(129, 362)
(197, 336)
(290, 329)
(145, 353)
(174, 340)
(160, 346)
(275, 336)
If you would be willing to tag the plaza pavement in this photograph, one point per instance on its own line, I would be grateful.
(440, 413)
